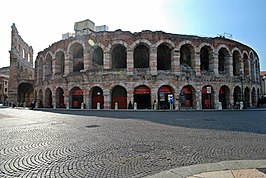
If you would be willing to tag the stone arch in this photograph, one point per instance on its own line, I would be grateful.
(187, 54)
(25, 93)
(207, 96)
(164, 55)
(223, 60)
(97, 56)
(142, 41)
(187, 97)
(48, 66)
(164, 92)
(96, 94)
(237, 95)
(40, 98)
(59, 98)
(169, 43)
(48, 98)
(224, 96)
(236, 62)
(206, 56)
(59, 62)
(75, 97)
(247, 97)
(142, 96)
(141, 55)
(119, 96)
(119, 56)
(76, 55)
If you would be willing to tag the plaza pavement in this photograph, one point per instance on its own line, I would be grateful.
(75, 143)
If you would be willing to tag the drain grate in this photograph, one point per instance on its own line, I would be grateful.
(92, 126)
(141, 148)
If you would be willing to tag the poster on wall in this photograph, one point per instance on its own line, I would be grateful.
(162, 97)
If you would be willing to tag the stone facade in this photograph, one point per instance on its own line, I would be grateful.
(21, 71)
(117, 69)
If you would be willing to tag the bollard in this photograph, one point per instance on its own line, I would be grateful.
(177, 105)
(12, 104)
(82, 105)
(24, 105)
(198, 106)
(116, 105)
(241, 105)
(155, 106)
(36, 105)
(54, 105)
(135, 106)
(98, 106)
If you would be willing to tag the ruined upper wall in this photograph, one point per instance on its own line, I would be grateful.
(24, 52)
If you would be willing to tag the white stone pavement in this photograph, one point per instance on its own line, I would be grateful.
(223, 169)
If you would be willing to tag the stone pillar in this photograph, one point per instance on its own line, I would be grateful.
(197, 62)
(54, 67)
(86, 61)
(68, 64)
(153, 61)
(66, 98)
(107, 99)
(85, 99)
(176, 61)
(198, 99)
(130, 62)
(106, 61)
(230, 65)
(130, 97)
(214, 64)
(54, 100)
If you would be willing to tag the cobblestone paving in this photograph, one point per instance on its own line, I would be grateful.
(43, 144)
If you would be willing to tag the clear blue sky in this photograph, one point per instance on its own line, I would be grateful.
(41, 23)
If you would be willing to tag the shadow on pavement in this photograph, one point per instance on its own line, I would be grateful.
(231, 120)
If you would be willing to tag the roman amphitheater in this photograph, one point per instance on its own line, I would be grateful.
(100, 69)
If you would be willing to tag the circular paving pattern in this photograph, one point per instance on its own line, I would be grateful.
(56, 145)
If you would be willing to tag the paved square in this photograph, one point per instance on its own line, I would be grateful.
(124, 144)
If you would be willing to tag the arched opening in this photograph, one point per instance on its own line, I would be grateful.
(119, 96)
(247, 97)
(223, 58)
(59, 63)
(25, 94)
(40, 99)
(48, 67)
(165, 92)
(246, 65)
(237, 95)
(163, 57)
(78, 57)
(119, 57)
(207, 95)
(75, 98)
(97, 57)
(224, 96)
(205, 57)
(142, 96)
(48, 103)
(253, 94)
(236, 63)
(59, 96)
(186, 53)
(141, 56)
(97, 97)
(187, 97)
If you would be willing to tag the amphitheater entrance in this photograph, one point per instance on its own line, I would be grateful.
(59, 95)
(237, 95)
(48, 98)
(76, 98)
(247, 98)
(25, 94)
(224, 96)
(97, 97)
(207, 95)
(142, 96)
(164, 94)
(186, 96)
(119, 96)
